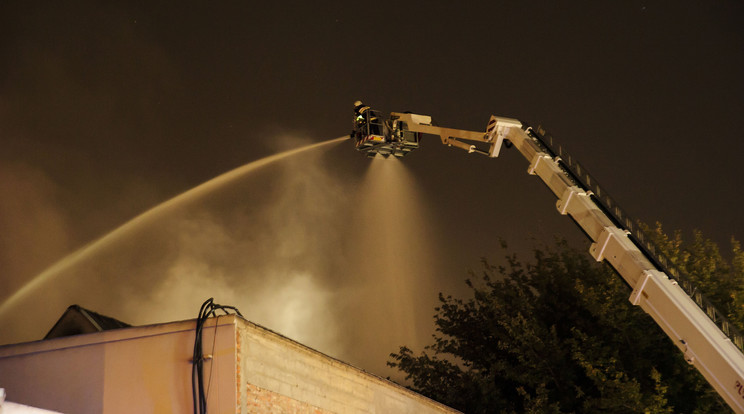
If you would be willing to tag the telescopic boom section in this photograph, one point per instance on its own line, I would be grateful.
(401, 133)
(705, 337)
(493, 137)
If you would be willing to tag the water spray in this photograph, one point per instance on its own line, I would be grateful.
(93, 248)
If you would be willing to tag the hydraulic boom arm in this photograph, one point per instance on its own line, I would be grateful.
(705, 337)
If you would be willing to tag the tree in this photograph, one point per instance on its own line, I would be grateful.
(722, 280)
(556, 335)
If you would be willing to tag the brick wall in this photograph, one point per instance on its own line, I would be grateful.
(284, 376)
(261, 401)
(147, 369)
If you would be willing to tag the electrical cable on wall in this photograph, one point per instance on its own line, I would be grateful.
(208, 309)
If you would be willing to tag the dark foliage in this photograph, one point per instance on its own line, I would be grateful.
(554, 335)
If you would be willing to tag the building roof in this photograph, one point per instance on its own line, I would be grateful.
(251, 369)
(77, 320)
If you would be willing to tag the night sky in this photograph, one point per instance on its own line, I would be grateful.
(108, 110)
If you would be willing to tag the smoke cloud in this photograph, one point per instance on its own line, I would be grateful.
(339, 262)
(33, 231)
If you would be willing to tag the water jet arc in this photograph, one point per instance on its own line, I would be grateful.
(150, 214)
